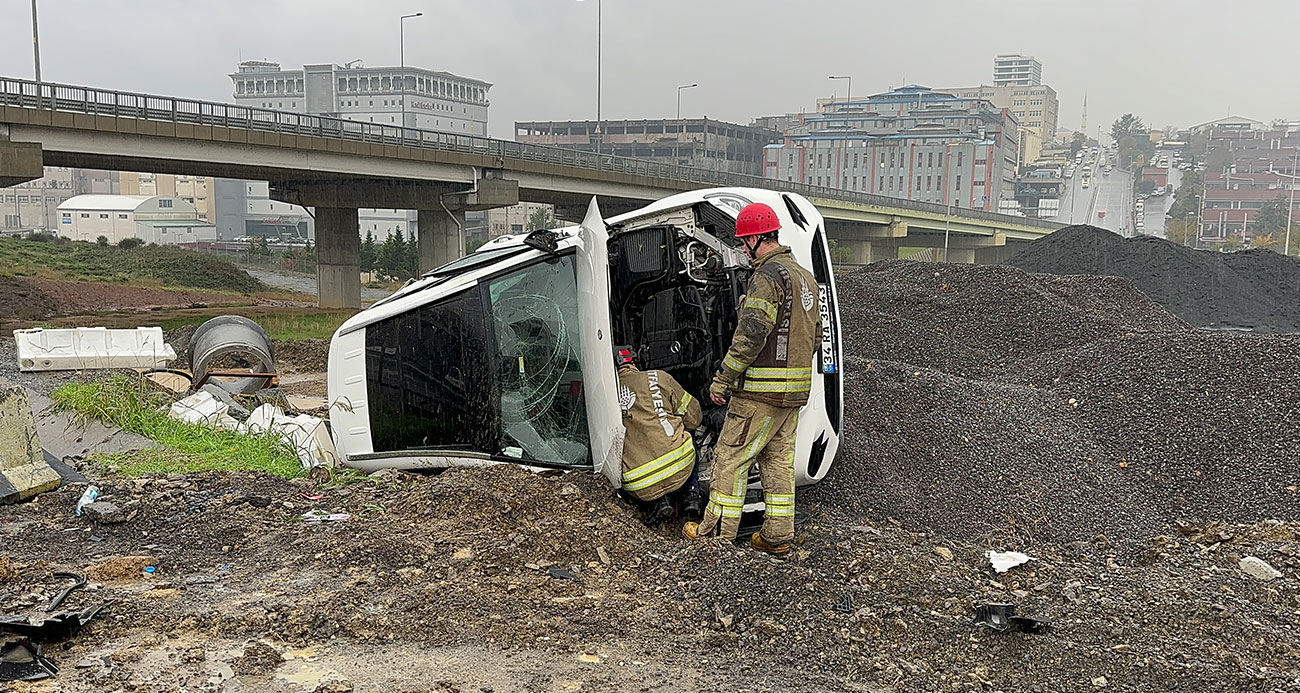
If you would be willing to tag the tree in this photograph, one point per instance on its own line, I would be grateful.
(1267, 240)
(1129, 125)
(1270, 220)
(369, 253)
(1077, 142)
(102, 241)
(1181, 231)
(411, 260)
(392, 254)
(541, 218)
(1146, 187)
(129, 243)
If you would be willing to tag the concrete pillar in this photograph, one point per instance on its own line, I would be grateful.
(441, 237)
(962, 255)
(338, 258)
(858, 250)
(995, 256)
(19, 161)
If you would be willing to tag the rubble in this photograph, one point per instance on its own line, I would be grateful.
(1258, 568)
(1251, 289)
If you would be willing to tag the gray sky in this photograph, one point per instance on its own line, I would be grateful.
(1174, 63)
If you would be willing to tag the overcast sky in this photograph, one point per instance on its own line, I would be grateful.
(1171, 63)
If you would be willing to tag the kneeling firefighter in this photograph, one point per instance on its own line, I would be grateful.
(768, 375)
(658, 451)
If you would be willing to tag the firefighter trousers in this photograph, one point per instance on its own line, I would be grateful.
(753, 432)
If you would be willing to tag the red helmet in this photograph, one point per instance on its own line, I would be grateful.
(755, 220)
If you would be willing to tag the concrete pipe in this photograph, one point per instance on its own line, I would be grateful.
(225, 347)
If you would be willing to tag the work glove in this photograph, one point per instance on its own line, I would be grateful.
(718, 390)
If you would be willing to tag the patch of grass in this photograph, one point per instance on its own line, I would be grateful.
(163, 266)
(280, 326)
(134, 406)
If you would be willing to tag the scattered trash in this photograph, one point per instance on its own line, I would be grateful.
(1006, 560)
(1002, 617)
(843, 604)
(312, 496)
(84, 348)
(53, 629)
(234, 352)
(563, 574)
(150, 570)
(78, 581)
(306, 434)
(21, 660)
(23, 469)
(324, 516)
(202, 408)
(87, 497)
(235, 409)
(1258, 568)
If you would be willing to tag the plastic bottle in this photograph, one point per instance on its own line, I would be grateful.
(87, 497)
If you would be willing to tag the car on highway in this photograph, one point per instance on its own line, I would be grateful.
(1085, 182)
(507, 354)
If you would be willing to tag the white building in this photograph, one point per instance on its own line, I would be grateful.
(1014, 70)
(151, 218)
(433, 100)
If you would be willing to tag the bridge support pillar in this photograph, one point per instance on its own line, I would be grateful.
(441, 237)
(338, 255)
(19, 161)
(962, 255)
(858, 251)
(994, 256)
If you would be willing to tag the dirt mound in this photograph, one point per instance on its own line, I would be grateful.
(302, 355)
(1081, 408)
(21, 299)
(1252, 289)
(976, 318)
(73, 298)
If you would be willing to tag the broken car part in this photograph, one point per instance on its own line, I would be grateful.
(1002, 617)
(52, 629)
(77, 582)
(21, 660)
(87, 348)
(234, 353)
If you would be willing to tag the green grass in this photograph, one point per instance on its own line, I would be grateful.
(280, 326)
(134, 406)
(162, 266)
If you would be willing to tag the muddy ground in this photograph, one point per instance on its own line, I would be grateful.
(503, 580)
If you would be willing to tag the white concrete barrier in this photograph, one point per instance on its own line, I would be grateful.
(80, 348)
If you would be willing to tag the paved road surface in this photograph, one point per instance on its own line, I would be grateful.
(305, 283)
(1157, 207)
(1113, 197)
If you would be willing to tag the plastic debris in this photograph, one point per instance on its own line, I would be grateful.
(202, 408)
(21, 660)
(81, 348)
(324, 516)
(563, 574)
(87, 497)
(307, 435)
(1006, 560)
(1002, 617)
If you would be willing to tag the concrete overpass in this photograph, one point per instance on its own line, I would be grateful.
(338, 166)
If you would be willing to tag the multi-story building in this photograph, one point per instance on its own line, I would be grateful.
(700, 142)
(244, 209)
(433, 100)
(158, 219)
(510, 220)
(419, 98)
(1254, 164)
(1034, 106)
(912, 142)
(1017, 70)
(196, 190)
(34, 205)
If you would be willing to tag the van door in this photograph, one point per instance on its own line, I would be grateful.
(600, 379)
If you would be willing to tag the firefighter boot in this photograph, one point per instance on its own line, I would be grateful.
(659, 511)
(693, 503)
(758, 542)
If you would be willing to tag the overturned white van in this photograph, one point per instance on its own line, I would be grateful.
(506, 355)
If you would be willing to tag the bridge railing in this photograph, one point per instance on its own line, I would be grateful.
(87, 100)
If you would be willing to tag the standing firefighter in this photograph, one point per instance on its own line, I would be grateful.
(658, 453)
(768, 373)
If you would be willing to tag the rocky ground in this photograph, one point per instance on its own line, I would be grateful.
(502, 580)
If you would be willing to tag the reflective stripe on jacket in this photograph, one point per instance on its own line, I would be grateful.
(777, 332)
(658, 415)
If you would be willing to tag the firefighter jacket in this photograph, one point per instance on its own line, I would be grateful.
(777, 333)
(658, 415)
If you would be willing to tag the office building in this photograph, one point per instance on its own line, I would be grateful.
(1035, 109)
(1017, 70)
(912, 142)
(244, 209)
(157, 219)
(433, 100)
(699, 142)
(196, 190)
(34, 205)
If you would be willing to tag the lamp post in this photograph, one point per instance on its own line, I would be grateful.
(1286, 244)
(599, 32)
(401, 49)
(679, 97)
(848, 93)
(36, 43)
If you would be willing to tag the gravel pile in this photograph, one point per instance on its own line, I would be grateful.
(987, 403)
(1252, 289)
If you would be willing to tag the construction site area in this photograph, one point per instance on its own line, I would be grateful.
(1078, 470)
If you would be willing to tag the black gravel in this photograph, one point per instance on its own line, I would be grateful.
(1251, 289)
(984, 402)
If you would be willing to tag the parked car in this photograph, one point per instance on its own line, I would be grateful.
(506, 355)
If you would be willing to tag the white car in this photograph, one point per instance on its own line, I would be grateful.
(506, 355)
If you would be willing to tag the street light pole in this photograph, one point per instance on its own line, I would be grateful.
(848, 94)
(36, 43)
(679, 97)
(599, 34)
(1286, 245)
(401, 32)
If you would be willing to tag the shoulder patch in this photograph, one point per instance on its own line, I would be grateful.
(806, 296)
(626, 398)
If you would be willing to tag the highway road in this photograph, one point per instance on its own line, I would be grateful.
(1112, 202)
(1157, 207)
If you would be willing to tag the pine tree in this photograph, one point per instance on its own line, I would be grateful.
(369, 253)
(412, 264)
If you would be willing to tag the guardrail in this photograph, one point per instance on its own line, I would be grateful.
(22, 93)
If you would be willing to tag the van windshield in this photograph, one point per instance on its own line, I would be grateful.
(494, 369)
